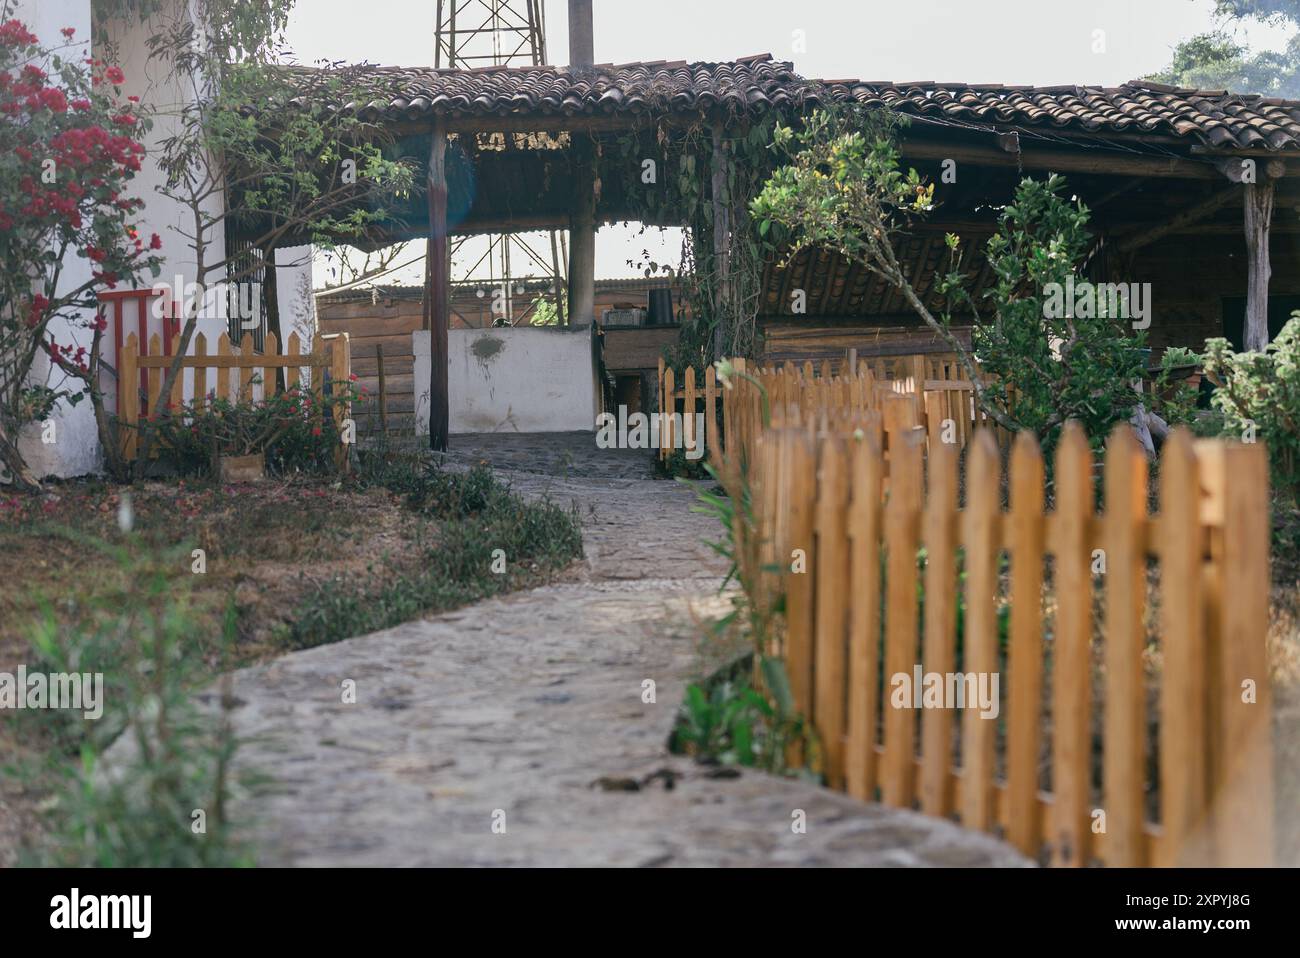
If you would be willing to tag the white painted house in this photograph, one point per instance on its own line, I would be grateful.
(76, 449)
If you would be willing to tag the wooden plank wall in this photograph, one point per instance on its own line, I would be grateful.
(787, 340)
(389, 324)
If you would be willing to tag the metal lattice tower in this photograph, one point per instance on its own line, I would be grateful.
(504, 33)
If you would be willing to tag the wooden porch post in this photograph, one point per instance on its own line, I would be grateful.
(1259, 213)
(437, 289)
(721, 242)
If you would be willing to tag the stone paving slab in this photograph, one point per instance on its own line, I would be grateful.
(530, 705)
(523, 706)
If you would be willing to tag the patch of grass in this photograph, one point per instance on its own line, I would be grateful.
(488, 541)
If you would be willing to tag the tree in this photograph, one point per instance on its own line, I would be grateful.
(68, 148)
(1216, 61)
(1033, 367)
(262, 146)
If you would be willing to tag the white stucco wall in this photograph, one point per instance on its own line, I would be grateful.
(515, 379)
(294, 293)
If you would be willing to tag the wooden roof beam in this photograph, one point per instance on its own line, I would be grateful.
(1195, 214)
(1096, 160)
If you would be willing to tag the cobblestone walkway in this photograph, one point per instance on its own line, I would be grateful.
(526, 712)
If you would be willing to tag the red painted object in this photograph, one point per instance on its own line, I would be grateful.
(120, 307)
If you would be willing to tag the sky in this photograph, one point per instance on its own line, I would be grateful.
(1040, 42)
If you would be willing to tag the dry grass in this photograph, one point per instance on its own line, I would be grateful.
(267, 545)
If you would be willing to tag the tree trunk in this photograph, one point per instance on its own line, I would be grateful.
(271, 288)
(19, 474)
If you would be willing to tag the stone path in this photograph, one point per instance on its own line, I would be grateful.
(528, 710)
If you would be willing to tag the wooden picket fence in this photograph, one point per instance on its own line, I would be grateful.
(931, 391)
(687, 400)
(331, 356)
(852, 621)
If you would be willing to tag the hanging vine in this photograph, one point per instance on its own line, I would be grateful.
(724, 309)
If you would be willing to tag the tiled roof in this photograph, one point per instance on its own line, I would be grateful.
(1213, 118)
(752, 83)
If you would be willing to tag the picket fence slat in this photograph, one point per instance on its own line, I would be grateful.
(1244, 754)
(980, 654)
(831, 612)
(1183, 729)
(1072, 664)
(1125, 730)
(224, 351)
(1025, 659)
(940, 650)
(801, 558)
(864, 614)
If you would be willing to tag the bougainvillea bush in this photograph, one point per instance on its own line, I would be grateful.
(69, 145)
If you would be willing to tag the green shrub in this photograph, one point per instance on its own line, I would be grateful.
(1258, 394)
(477, 515)
(727, 720)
